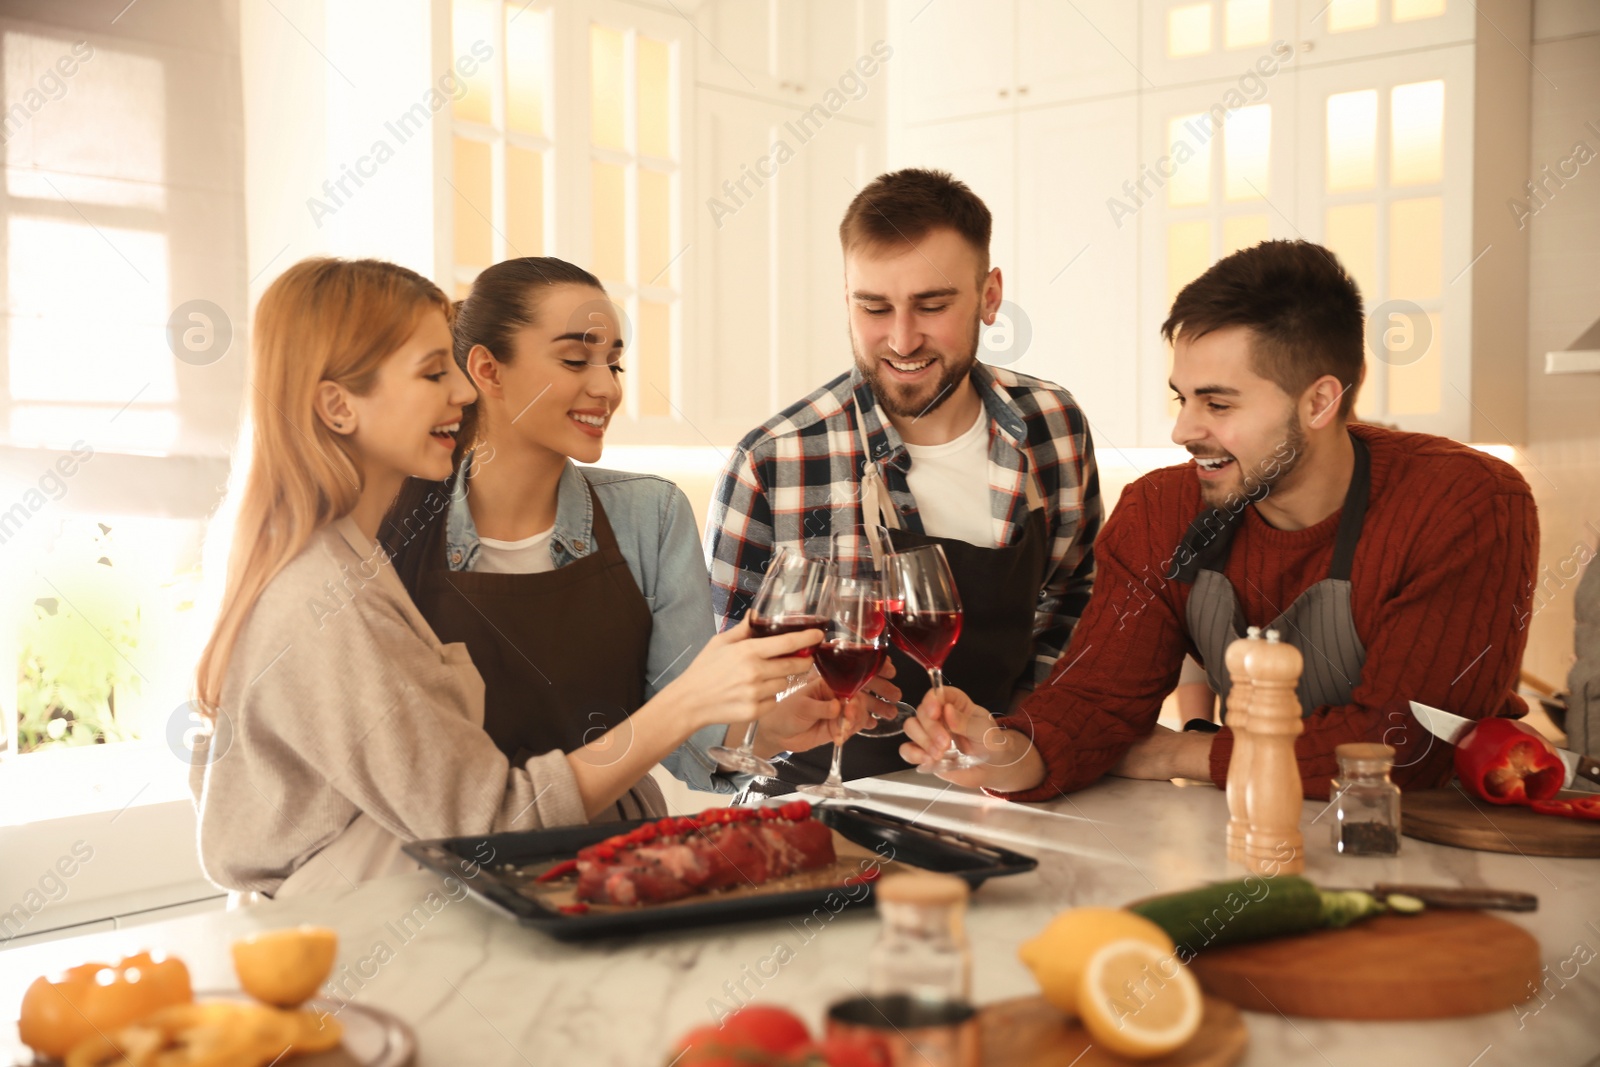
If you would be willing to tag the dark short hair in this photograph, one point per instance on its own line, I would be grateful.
(1302, 308)
(904, 205)
(504, 298)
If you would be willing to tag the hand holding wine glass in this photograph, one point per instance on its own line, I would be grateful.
(924, 615)
(848, 658)
(789, 601)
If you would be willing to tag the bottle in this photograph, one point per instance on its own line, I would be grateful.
(1366, 803)
(922, 950)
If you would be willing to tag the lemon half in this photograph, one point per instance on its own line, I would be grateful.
(1059, 954)
(1138, 1000)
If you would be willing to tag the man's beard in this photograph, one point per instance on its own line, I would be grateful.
(1268, 474)
(902, 402)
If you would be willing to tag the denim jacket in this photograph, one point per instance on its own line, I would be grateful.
(655, 529)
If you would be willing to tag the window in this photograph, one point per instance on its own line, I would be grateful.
(87, 276)
(594, 178)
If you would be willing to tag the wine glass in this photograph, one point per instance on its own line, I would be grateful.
(848, 659)
(851, 557)
(790, 599)
(924, 615)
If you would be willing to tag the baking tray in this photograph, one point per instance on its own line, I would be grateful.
(494, 866)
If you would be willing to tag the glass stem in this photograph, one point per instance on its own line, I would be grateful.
(748, 745)
(936, 677)
(835, 777)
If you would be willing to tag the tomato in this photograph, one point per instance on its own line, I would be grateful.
(764, 1028)
(98, 997)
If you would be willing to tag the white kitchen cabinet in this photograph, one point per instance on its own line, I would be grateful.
(981, 152)
(1075, 266)
(952, 59)
(1360, 29)
(1183, 42)
(1074, 51)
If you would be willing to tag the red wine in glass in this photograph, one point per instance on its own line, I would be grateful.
(924, 610)
(847, 666)
(788, 624)
(926, 636)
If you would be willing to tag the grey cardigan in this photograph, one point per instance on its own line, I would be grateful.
(338, 701)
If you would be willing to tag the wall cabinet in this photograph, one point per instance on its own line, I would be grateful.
(1125, 147)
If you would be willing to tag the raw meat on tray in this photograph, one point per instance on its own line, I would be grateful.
(718, 849)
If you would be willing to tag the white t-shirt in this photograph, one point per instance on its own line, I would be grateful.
(951, 485)
(531, 555)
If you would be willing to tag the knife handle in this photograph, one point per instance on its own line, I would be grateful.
(1466, 897)
(1588, 769)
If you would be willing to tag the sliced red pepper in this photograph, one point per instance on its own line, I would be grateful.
(1578, 808)
(580, 908)
(1505, 762)
(560, 870)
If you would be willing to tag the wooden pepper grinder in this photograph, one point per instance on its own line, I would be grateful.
(1238, 720)
(1273, 844)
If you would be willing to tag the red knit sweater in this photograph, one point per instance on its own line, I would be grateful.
(1441, 588)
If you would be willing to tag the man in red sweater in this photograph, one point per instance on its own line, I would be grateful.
(1400, 564)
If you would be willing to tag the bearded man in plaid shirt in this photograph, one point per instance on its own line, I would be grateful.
(994, 466)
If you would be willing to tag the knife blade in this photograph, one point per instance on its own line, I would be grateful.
(1447, 896)
(1451, 728)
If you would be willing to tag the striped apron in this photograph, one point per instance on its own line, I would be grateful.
(1320, 622)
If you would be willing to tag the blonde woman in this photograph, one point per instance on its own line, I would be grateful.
(342, 725)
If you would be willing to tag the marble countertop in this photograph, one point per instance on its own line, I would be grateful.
(478, 988)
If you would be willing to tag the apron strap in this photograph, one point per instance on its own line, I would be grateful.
(1355, 512)
(877, 506)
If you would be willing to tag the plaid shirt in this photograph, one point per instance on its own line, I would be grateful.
(796, 479)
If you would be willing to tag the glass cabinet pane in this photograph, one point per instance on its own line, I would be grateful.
(652, 357)
(1351, 230)
(1416, 248)
(609, 221)
(655, 226)
(1351, 15)
(1247, 152)
(1246, 23)
(1189, 30)
(528, 62)
(655, 97)
(1416, 125)
(1191, 183)
(607, 78)
(473, 202)
(1352, 143)
(524, 201)
(472, 22)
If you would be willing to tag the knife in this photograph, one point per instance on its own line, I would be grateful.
(1451, 728)
(1441, 896)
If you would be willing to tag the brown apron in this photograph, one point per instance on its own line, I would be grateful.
(562, 653)
(999, 589)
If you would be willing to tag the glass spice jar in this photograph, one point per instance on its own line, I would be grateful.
(1366, 804)
(922, 949)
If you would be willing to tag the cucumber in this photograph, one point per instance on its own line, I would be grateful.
(1251, 909)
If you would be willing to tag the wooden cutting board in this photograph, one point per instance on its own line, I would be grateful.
(1436, 965)
(1028, 1032)
(1450, 817)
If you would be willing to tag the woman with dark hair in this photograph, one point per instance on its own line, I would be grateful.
(580, 593)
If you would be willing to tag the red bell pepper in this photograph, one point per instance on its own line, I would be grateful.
(1505, 762)
(1587, 807)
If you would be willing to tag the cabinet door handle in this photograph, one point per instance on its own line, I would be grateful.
(1004, 93)
(1022, 91)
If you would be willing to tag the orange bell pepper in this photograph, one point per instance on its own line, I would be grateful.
(98, 997)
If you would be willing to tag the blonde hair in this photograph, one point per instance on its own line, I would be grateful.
(321, 320)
